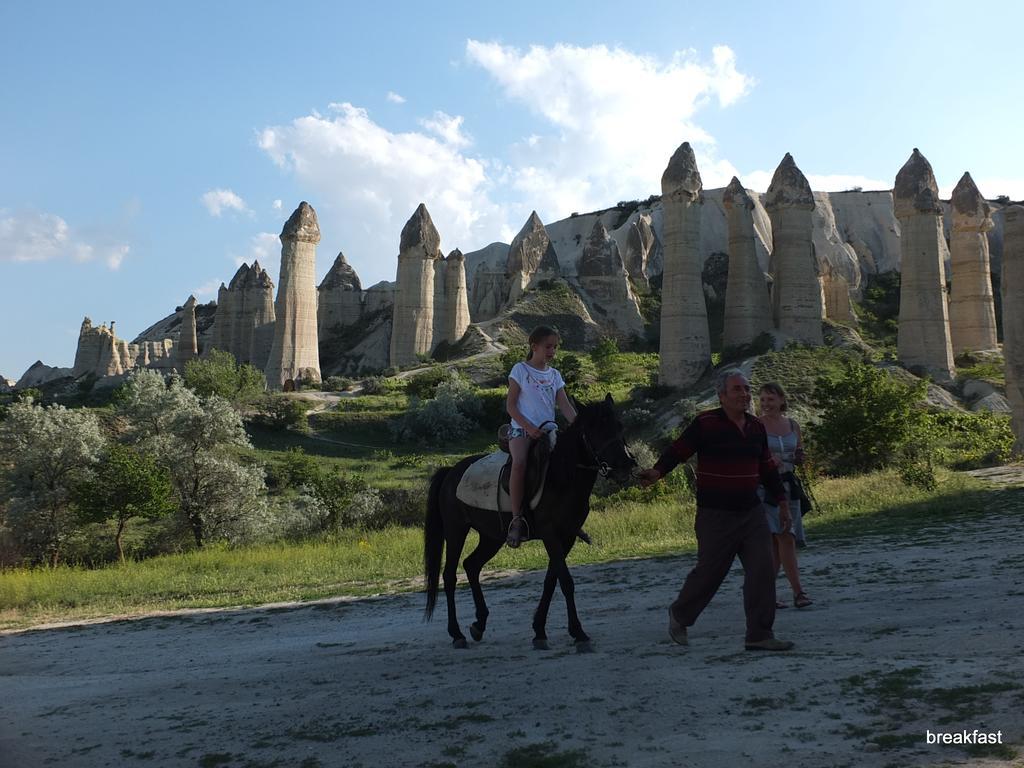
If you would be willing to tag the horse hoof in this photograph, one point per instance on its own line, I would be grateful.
(541, 644)
(584, 646)
(460, 643)
(476, 632)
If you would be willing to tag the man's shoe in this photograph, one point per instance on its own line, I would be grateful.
(768, 644)
(676, 630)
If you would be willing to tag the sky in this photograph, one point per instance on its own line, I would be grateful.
(148, 149)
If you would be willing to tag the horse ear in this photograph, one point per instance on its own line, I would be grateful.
(608, 399)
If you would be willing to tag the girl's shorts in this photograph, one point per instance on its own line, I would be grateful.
(516, 432)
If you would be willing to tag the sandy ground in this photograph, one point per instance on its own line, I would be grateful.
(904, 637)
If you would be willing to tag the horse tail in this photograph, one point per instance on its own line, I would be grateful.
(433, 539)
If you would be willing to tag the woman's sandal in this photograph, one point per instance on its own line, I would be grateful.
(801, 600)
(518, 532)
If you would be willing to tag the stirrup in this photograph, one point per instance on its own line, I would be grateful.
(522, 532)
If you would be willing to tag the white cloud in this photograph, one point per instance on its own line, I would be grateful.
(40, 236)
(395, 98)
(277, 205)
(615, 118)
(207, 290)
(448, 128)
(219, 200)
(365, 182)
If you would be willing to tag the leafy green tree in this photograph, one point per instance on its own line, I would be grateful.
(196, 441)
(126, 484)
(46, 452)
(868, 418)
(282, 412)
(219, 374)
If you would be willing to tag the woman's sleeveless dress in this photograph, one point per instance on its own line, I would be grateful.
(785, 445)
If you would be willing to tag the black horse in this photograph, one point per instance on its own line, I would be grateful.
(592, 444)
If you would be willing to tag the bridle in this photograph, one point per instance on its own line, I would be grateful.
(602, 466)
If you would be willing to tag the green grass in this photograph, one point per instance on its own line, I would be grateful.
(359, 563)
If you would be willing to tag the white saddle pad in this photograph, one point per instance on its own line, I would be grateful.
(479, 484)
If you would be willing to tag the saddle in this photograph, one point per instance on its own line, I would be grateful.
(484, 484)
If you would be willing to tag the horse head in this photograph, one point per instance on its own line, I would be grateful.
(603, 441)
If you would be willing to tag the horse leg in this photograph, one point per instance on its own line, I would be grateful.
(557, 554)
(454, 542)
(485, 550)
(540, 616)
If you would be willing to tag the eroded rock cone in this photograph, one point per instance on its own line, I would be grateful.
(412, 330)
(972, 315)
(747, 310)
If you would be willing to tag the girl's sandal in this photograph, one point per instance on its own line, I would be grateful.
(801, 600)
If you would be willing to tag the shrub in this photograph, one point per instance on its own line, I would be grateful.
(374, 385)
(218, 374)
(868, 418)
(281, 412)
(336, 383)
(963, 440)
(450, 416)
(424, 385)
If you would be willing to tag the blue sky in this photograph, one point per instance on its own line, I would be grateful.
(146, 149)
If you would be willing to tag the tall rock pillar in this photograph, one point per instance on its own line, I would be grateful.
(685, 340)
(295, 355)
(187, 347)
(972, 314)
(747, 312)
(531, 257)
(796, 290)
(456, 298)
(923, 337)
(1013, 317)
(412, 325)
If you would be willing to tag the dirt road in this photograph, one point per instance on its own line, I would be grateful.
(905, 637)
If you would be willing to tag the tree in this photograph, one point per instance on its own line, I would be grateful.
(196, 441)
(868, 417)
(219, 374)
(127, 483)
(47, 451)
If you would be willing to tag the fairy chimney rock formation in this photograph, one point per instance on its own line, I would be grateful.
(747, 309)
(640, 241)
(295, 355)
(187, 347)
(972, 315)
(685, 338)
(530, 257)
(605, 281)
(98, 352)
(456, 298)
(339, 296)
(923, 337)
(796, 291)
(1013, 318)
(412, 329)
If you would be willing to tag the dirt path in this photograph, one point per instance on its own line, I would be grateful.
(905, 637)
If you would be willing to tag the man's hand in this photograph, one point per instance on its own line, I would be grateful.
(648, 477)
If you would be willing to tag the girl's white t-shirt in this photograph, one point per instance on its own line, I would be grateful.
(537, 391)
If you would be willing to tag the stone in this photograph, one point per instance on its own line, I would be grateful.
(295, 354)
(531, 258)
(1013, 318)
(975, 389)
(993, 402)
(796, 290)
(923, 336)
(972, 316)
(188, 342)
(38, 374)
(98, 353)
(605, 283)
(640, 245)
(456, 298)
(747, 309)
(836, 296)
(339, 297)
(685, 347)
(412, 327)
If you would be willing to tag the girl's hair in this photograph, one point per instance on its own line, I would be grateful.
(537, 335)
(776, 389)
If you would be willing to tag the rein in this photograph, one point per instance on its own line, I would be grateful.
(602, 466)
